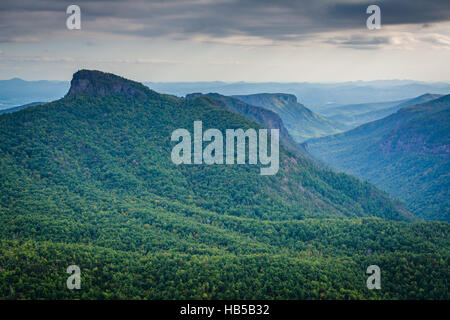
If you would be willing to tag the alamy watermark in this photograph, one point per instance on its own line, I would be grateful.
(374, 20)
(374, 280)
(73, 22)
(74, 280)
(235, 144)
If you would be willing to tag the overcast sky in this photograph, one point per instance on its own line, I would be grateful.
(228, 40)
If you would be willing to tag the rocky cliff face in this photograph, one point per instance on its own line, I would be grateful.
(266, 118)
(92, 82)
(301, 122)
(262, 99)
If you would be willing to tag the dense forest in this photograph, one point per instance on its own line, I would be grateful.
(87, 180)
(407, 154)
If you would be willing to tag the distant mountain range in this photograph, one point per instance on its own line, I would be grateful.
(316, 96)
(357, 114)
(15, 92)
(406, 154)
(301, 122)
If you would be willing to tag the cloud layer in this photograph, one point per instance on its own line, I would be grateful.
(230, 40)
(260, 21)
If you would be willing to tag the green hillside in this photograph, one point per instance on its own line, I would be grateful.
(301, 122)
(406, 154)
(88, 180)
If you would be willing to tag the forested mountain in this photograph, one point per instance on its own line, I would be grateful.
(301, 122)
(265, 117)
(355, 115)
(406, 154)
(317, 96)
(88, 180)
(418, 100)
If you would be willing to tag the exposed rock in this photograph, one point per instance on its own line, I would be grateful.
(91, 82)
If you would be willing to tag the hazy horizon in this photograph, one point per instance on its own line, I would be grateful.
(315, 95)
(238, 81)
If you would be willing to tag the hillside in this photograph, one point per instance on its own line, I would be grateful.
(301, 122)
(18, 108)
(88, 180)
(355, 115)
(265, 117)
(406, 154)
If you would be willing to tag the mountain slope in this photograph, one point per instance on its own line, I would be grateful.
(266, 118)
(406, 154)
(301, 122)
(117, 133)
(18, 108)
(357, 114)
(418, 100)
(88, 180)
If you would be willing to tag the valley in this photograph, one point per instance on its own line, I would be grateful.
(406, 154)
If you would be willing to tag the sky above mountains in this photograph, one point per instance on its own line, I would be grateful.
(248, 40)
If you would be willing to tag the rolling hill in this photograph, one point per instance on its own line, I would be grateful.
(406, 154)
(88, 180)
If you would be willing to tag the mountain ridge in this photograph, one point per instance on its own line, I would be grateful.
(301, 122)
(355, 115)
(265, 117)
(406, 153)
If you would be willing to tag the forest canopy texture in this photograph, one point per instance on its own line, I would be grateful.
(88, 180)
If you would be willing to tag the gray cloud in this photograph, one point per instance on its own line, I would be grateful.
(29, 20)
(400, 11)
